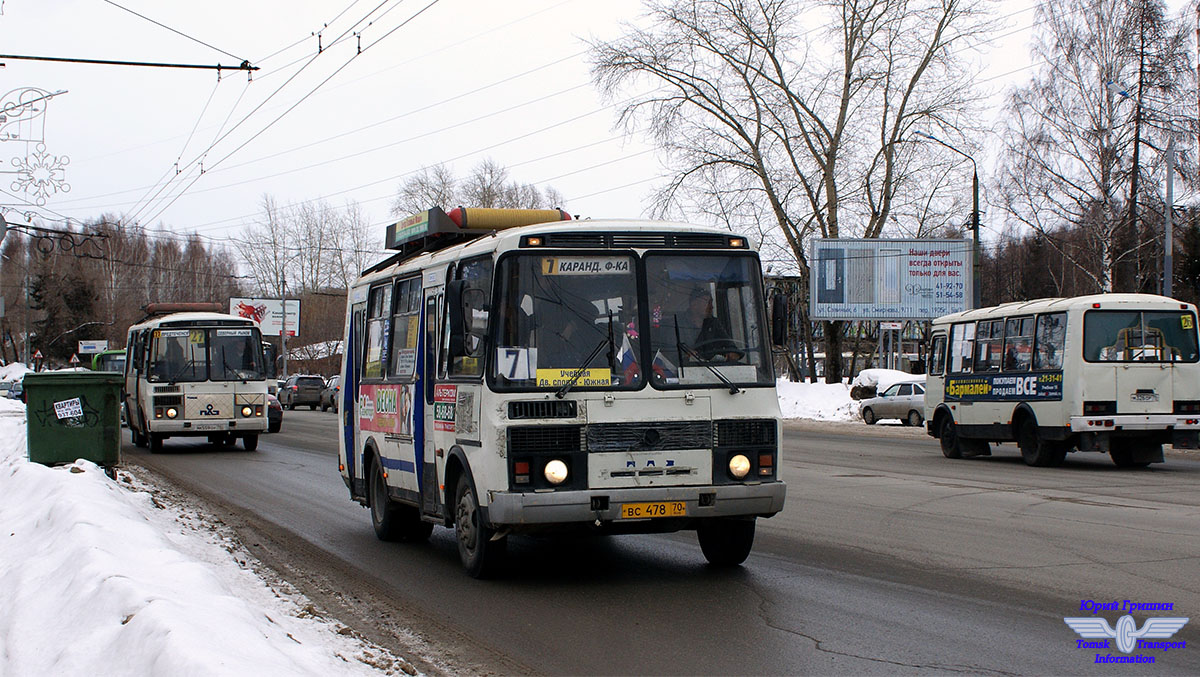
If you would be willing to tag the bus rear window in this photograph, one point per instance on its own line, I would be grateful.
(1139, 336)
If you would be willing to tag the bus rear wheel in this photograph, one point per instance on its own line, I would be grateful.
(393, 521)
(1038, 451)
(480, 552)
(726, 542)
(1125, 455)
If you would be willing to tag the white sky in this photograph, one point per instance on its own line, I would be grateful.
(463, 81)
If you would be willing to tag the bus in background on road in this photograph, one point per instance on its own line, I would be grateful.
(195, 371)
(1115, 373)
(109, 360)
(606, 376)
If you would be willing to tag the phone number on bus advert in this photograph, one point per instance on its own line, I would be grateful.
(1046, 386)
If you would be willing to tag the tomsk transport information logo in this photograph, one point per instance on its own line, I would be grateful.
(1096, 632)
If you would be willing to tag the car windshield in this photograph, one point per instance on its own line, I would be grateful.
(704, 315)
(206, 354)
(564, 314)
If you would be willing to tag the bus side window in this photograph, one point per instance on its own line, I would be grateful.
(404, 328)
(962, 347)
(1050, 337)
(937, 356)
(476, 295)
(379, 306)
(1018, 344)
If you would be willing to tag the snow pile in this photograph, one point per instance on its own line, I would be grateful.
(817, 401)
(13, 371)
(99, 579)
(883, 379)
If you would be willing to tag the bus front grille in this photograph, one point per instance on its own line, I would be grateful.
(745, 433)
(544, 439)
(542, 409)
(649, 436)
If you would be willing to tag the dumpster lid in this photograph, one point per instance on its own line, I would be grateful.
(83, 377)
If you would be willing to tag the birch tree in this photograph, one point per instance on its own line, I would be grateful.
(1113, 79)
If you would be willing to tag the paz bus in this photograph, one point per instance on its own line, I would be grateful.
(516, 371)
(1109, 373)
(193, 371)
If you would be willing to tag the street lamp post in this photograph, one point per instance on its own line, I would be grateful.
(976, 291)
(1168, 212)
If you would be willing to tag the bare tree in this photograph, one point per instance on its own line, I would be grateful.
(487, 185)
(1073, 143)
(805, 129)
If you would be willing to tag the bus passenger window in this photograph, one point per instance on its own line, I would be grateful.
(1018, 344)
(962, 346)
(937, 356)
(378, 306)
(1050, 337)
(989, 338)
(404, 328)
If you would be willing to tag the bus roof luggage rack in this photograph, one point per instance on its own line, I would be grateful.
(156, 309)
(432, 230)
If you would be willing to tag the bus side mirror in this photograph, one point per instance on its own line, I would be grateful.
(779, 320)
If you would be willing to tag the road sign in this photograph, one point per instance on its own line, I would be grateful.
(74, 359)
(37, 354)
(891, 325)
(93, 347)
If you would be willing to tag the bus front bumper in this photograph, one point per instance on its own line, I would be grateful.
(563, 507)
(242, 426)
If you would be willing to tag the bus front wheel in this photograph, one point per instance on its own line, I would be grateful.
(726, 542)
(1038, 451)
(156, 443)
(250, 442)
(948, 437)
(479, 551)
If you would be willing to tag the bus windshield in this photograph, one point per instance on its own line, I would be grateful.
(566, 314)
(581, 319)
(1139, 336)
(206, 354)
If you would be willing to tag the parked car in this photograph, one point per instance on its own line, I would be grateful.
(274, 414)
(17, 391)
(5, 386)
(329, 395)
(301, 389)
(904, 401)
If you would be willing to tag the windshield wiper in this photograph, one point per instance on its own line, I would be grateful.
(681, 347)
(578, 374)
(191, 361)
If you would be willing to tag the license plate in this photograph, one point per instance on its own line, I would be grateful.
(1144, 397)
(208, 426)
(659, 509)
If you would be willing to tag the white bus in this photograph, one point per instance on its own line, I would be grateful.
(191, 370)
(1115, 373)
(612, 376)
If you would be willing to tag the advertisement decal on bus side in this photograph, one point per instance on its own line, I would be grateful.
(992, 388)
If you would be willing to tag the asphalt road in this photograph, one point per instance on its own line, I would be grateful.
(888, 558)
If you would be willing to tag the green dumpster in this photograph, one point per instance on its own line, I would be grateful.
(73, 415)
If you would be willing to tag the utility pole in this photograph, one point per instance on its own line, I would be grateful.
(283, 334)
(1168, 223)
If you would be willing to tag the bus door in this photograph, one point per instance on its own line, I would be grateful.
(430, 451)
(348, 409)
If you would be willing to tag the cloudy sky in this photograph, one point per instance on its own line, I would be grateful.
(452, 81)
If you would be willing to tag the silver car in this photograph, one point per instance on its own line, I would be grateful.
(904, 401)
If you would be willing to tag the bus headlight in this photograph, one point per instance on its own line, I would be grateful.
(247, 411)
(556, 472)
(739, 466)
(172, 412)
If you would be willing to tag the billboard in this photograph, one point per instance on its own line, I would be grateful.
(268, 313)
(889, 279)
